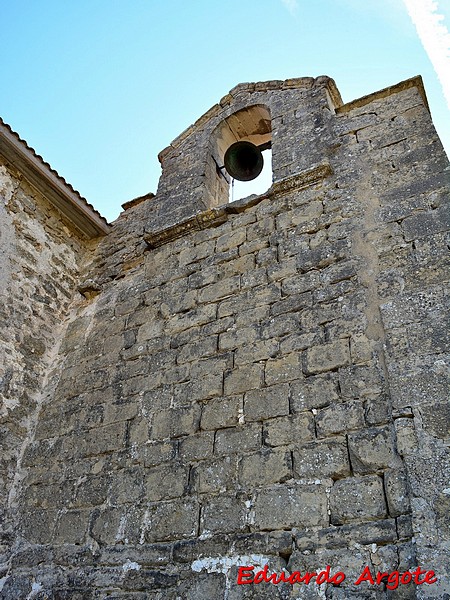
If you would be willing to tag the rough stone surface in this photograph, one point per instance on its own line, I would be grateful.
(255, 383)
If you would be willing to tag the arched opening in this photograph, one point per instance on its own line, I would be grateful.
(252, 124)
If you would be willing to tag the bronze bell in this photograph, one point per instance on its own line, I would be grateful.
(243, 161)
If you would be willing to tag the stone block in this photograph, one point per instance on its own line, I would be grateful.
(152, 328)
(99, 440)
(261, 229)
(419, 382)
(377, 410)
(158, 398)
(127, 486)
(203, 585)
(290, 505)
(157, 452)
(280, 326)
(138, 579)
(265, 294)
(404, 527)
(322, 459)
(300, 283)
(328, 357)
(374, 532)
(180, 303)
(197, 446)
(436, 419)
(361, 381)
(230, 240)
(429, 337)
(361, 348)
(314, 392)
(323, 255)
(266, 403)
(339, 418)
(171, 520)
(293, 429)
(242, 379)
(217, 326)
(175, 422)
(176, 375)
(72, 527)
(372, 450)
(254, 278)
(251, 316)
(203, 250)
(92, 491)
(238, 439)
(285, 369)
(194, 318)
(49, 496)
(235, 337)
(253, 246)
(221, 412)
(198, 349)
(105, 525)
(266, 257)
(165, 482)
(406, 435)
(301, 341)
(154, 555)
(187, 551)
(397, 492)
(425, 224)
(413, 307)
(357, 499)
(225, 513)
(216, 475)
(218, 291)
(38, 524)
(242, 265)
(277, 271)
(334, 291)
(259, 350)
(204, 276)
(200, 387)
(293, 303)
(264, 468)
(303, 216)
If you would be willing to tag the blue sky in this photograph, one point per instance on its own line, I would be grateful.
(99, 87)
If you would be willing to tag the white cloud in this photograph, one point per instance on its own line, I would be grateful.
(291, 5)
(434, 36)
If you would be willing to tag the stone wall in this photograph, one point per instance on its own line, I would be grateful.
(260, 383)
(39, 265)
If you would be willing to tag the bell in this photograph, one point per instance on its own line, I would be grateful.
(243, 161)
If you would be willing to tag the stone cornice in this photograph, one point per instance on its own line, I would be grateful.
(216, 216)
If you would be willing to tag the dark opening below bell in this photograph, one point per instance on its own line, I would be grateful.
(243, 161)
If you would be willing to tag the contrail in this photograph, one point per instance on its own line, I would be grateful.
(291, 5)
(435, 38)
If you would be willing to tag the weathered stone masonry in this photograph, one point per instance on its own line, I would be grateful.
(247, 383)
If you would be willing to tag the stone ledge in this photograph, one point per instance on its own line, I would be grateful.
(216, 216)
(135, 201)
(208, 218)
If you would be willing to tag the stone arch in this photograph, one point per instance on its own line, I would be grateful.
(253, 124)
